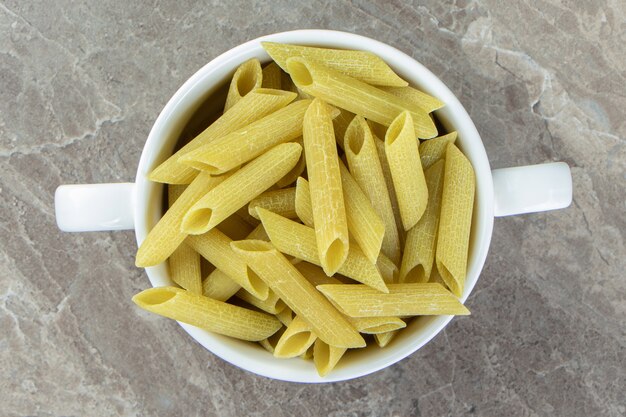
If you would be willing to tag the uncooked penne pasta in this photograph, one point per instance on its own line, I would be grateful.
(215, 247)
(245, 144)
(269, 344)
(303, 207)
(219, 286)
(258, 234)
(406, 170)
(425, 101)
(367, 171)
(455, 221)
(376, 325)
(296, 171)
(246, 217)
(299, 241)
(254, 106)
(184, 262)
(298, 337)
(241, 187)
(272, 75)
(421, 299)
(281, 202)
(301, 297)
(388, 270)
(382, 157)
(326, 357)
(361, 65)
(208, 314)
(247, 77)
(308, 355)
(272, 304)
(355, 96)
(329, 212)
(235, 227)
(378, 130)
(433, 150)
(340, 124)
(285, 316)
(419, 251)
(166, 235)
(383, 339)
(314, 274)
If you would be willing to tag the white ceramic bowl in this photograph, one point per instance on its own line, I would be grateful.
(90, 207)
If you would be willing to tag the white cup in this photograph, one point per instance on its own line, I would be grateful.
(501, 192)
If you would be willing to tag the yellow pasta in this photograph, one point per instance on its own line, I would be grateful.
(285, 280)
(296, 171)
(219, 286)
(419, 251)
(241, 187)
(383, 339)
(245, 144)
(426, 102)
(258, 234)
(329, 213)
(208, 314)
(235, 227)
(382, 157)
(433, 150)
(272, 304)
(246, 217)
(299, 241)
(376, 325)
(326, 357)
(303, 207)
(166, 235)
(340, 124)
(406, 170)
(361, 65)
(378, 130)
(272, 75)
(388, 270)
(269, 344)
(285, 316)
(184, 262)
(215, 247)
(247, 77)
(281, 202)
(309, 353)
(367, 171)
(422, 299)
(296, 339)
(254, 106)
(455, 221)
(355, 96)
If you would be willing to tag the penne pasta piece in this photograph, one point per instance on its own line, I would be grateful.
(376, 325)
(326, 357)
(433, 150)
(419, 251)
(235, 227)
(362, 65)
(215, 247)
(308, 355)
(327, 202)
(299, 241)
(281, 202)
(296, 171)
(314, 274)
(378, 130)
(269, 344)
(426, 102)
(406, 170)
(388, 269)
(241, 187)
(423, 299)
(246, 217)
(184, 262)
(355, 96)
(340, 124)
(298, 337)
(272, 304)
(455, 221)
(247, 77)
(383, 339)
(364, 223)
(380, 149)
(367, 171)
(301, 297)
(254, 106)
(285, 316)
(166, 235)
(303, 207)
(219, 286)
(245, 144)
(272, 75)
(287, 84)
(208, 314)
(258, 234)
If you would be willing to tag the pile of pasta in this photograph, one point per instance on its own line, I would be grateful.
(322, 204)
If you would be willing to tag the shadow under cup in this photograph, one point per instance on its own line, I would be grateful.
(189, 117)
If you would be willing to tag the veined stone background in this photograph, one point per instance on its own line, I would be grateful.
(81, 84)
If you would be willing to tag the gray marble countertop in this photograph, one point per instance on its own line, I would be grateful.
(81, 84)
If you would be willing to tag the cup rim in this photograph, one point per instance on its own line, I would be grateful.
(407, 67)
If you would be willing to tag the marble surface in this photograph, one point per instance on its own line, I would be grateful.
(80, 86)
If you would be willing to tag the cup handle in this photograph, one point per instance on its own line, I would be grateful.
(95, 207)
(532, 188)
